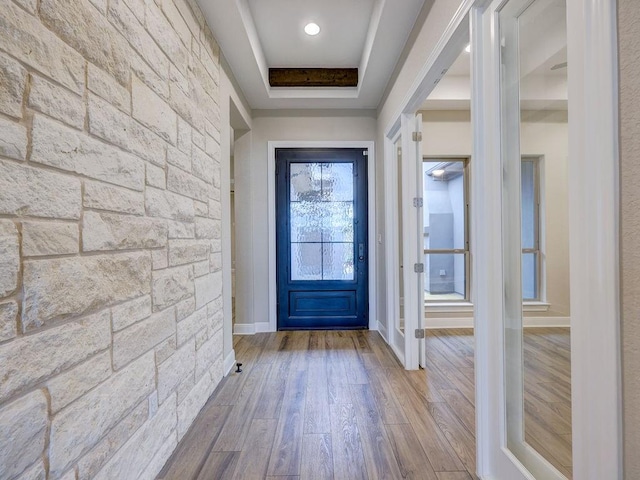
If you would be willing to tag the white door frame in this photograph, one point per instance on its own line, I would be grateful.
(594, 252)
(371, 214)
(395, 337)
(453, 40)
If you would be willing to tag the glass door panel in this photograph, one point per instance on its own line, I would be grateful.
(534, 136)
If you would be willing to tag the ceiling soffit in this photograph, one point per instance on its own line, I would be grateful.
(256, 35)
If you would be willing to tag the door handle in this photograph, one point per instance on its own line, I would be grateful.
(361, 252)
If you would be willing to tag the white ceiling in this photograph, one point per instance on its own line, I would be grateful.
(340, 43)
(255, 35)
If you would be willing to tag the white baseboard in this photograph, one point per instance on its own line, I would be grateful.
(433, 323)
(547, 321)
(244, 329)
(229, 362)
(251, 328)
(263, 327)
(383, 332)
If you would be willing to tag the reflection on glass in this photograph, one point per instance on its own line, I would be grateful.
(445, 276)
(322, 221)
(530, 229)
(529, 276)
(445, 230)
(535, 130)
(529, 201)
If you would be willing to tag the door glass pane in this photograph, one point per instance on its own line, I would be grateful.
(445, 276)
(306, 222)
(306, 182)
(322, 221)
(306, 261)
(535, 247)
(337, 182)
(337, 261)
(337, 221)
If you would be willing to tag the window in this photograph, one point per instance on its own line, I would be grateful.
(446, 239)
(531, 257)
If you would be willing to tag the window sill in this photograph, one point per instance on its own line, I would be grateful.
(454, 307)
(448, 307)
(535, 306)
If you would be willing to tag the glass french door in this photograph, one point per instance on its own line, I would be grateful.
(524, 409)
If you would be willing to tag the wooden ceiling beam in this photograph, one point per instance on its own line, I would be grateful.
(313, 77)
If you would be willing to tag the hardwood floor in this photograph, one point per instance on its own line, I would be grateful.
(337, 405)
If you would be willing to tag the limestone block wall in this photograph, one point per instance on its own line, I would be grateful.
(110, 251)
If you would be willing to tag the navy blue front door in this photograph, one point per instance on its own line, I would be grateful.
(321, 238)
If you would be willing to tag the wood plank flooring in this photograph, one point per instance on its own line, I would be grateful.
(337, 405)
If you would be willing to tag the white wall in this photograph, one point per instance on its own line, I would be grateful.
(448, 133)
(252, 223)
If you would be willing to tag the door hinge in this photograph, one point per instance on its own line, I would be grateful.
(419, 333)
(416, 136)
(418, 202)
(418, 267)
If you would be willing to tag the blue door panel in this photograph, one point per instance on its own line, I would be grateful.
(323, 304)
(321, 238)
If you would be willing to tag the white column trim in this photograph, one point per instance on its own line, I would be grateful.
(594, 252)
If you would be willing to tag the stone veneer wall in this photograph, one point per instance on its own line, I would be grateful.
(110, 253)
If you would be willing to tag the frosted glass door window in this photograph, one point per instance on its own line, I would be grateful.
(321, 207)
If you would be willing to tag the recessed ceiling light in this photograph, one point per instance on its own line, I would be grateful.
(467, 48)
(311, 29)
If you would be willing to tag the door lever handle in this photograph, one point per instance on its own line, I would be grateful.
(361, 252)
